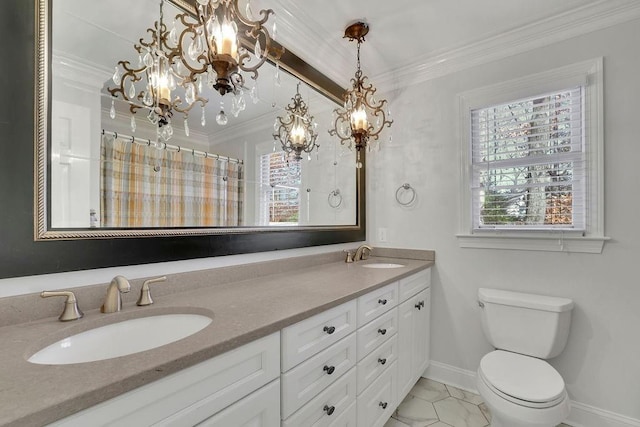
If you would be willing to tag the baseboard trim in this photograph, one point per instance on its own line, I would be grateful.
(582, 415)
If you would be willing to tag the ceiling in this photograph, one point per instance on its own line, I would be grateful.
(415, 33)
(408, 39)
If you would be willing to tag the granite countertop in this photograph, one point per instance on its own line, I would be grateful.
(242, 311)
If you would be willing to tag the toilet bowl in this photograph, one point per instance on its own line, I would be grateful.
(517, 384)
(521, 391)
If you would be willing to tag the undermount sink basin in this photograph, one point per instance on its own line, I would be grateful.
(382, 265)
(120, 339)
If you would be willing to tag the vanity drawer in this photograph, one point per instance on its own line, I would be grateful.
(348, 418)
(259, 409)
(324, 409)
(413, 284)
(376, 332)
(312, 335)
(380, 359)
(378, 402)
(376, 303)
(191, 395)
(302, 383)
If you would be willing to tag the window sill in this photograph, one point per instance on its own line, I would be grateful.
(590, 245)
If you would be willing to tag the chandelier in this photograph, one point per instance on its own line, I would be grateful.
(158, 72)
(210, 46)
(208, 51)
(363, 116)
(296, 131)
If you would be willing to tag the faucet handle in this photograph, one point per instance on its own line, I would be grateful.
(349, 258)
(145, 294)
(71, 310)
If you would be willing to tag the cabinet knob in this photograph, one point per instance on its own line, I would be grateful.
(329, 329)
(382, 331)
(383, 405)
(382, 361)
(329, 409)
(418, 306)
(329, 369)
(382, 301)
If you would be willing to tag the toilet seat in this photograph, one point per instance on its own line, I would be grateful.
(523, 380)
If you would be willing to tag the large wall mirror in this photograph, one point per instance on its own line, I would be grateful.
(106, 169)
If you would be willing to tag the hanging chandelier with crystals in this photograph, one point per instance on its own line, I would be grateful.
(214, 51)
(363, 117)
(152, 85)
(208, 51)
(296, 130)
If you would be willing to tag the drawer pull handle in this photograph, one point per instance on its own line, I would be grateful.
(383, 405)
(329, 369)
(382, 301)
(329, 329)
(382, 331)
(382, 361)
(419, 305)
(329, 409)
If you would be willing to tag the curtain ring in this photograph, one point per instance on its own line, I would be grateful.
(406, 187)
(335, 198)
(116, 134)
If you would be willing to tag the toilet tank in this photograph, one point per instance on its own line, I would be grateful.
(534, 325)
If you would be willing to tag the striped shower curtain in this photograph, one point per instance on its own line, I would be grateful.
(142, 186)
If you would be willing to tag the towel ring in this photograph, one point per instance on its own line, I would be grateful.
(335, 198)
(406, 187)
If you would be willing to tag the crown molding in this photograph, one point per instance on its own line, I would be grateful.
(586, 19)
(579, 21)
(80, 71)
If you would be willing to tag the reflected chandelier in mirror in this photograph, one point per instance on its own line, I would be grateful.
(101, 174)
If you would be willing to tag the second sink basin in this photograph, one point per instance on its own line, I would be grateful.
(120, 339)
(382, 265)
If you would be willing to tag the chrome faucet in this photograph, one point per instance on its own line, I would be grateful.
(361, 254)
(113, 302)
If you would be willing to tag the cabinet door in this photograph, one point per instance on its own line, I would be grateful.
(406, 315)
(422, 333)
(260, 409)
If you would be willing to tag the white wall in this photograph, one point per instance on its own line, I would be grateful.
(601, 361)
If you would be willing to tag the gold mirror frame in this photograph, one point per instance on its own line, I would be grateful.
(288, 62)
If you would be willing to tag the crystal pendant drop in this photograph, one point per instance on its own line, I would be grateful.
(222, 118)
(173, 34)
(203, 119)
(258, 49)
(249, 12)
(274, 146)
(133, 123)
(242, 104)
(190, 95)
(140, 63)
(200, 84)
(254, 94)
(274, 30)
(276, 125)
(112, 111)
(277, 76)
(132, 91)
(186, 127)
(235, 110)
(147, 99)
(116, 76)
(172, 82)
(147, 59)
(388, 113)
(308, 157)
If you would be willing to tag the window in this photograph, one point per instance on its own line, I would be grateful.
(532, 162)
(279, 190)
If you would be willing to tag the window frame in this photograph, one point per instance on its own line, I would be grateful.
(588, 74)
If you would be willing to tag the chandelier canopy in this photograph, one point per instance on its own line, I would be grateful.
(363, 116)
(296, 130)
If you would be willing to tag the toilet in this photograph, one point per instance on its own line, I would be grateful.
(520, 388)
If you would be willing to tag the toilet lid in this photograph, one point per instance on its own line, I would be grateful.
(522, 377)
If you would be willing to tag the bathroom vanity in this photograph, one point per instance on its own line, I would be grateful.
(334, 344)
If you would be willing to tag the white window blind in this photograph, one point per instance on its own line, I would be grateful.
(528, 163)
(279, 190)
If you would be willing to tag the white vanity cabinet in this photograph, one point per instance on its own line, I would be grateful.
(414, 330)
(195, 394)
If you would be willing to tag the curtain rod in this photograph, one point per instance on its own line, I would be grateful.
(166, 146)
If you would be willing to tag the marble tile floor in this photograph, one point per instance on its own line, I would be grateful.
(434, 404)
